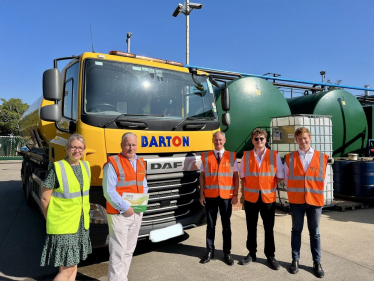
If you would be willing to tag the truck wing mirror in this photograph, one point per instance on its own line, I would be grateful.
(51, 113)
(225, 99)
(52, 85)
(226, 121)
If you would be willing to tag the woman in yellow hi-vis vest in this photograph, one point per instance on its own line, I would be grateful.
(66, 207)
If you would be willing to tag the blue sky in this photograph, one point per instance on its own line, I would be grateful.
(295, 38)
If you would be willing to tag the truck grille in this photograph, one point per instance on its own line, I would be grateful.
(170, 199)
(162, 217)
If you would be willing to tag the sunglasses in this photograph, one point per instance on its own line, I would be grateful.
(257, 139)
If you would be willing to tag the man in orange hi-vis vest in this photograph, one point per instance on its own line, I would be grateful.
(260, 170)
(219, 183)
(305, 178)
(124, 172)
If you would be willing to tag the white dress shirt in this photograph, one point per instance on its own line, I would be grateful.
(236, 167)
(306, 159)
(279, 174)
(109, 186)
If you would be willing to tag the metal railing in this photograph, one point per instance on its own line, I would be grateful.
(9, 145)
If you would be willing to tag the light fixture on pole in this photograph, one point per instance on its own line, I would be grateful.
(128, 41)
(186, 9)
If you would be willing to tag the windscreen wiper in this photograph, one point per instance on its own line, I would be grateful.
(193, 118)
(128, 114)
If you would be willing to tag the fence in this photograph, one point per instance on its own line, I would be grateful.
(9, 147)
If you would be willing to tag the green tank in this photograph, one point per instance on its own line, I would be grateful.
(253, 101)
(349, 125)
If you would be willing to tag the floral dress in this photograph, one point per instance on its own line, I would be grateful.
(66, 249)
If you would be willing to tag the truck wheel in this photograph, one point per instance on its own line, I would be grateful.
(28, 191)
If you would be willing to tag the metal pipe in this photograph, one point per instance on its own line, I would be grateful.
(187, 8)
(298, 87)
(279, 79)
(128, 41)
(366, 92)
(220, 72)
(222, 77)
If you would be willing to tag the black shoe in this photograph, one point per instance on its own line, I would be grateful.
(246, 260)
(294, 268)
(254, 258)
(208, 256)
(273, 263)
(228, 259)
(318, 271)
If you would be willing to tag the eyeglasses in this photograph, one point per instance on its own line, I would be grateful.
(257, 139)
(76, 148)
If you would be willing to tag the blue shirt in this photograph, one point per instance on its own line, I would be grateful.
(109, 186)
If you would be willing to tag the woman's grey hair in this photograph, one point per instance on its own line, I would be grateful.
(74, 137)
(219, 132)
(129, 134)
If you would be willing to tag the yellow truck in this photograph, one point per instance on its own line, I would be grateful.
(169, 107)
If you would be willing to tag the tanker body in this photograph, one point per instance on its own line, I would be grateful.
(103, 96)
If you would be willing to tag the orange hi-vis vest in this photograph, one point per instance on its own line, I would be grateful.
(219, 178)
(306, 187)
(127, 179)
(260, 179)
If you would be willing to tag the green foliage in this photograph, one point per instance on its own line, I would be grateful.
(330, 88)
(10, 114)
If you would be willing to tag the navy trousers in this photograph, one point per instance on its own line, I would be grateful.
(225, 209)
(313, 215)
(267, 212)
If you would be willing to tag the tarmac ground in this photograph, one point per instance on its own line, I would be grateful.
(347, 246)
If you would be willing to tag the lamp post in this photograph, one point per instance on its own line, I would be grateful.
(186, 9)
(128, 41)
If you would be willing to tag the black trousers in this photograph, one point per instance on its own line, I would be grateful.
(225, 209)
(267, 211)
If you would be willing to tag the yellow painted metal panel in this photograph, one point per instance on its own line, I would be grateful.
(162, 141)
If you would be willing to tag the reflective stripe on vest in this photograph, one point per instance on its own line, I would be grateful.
(264, 181)
(134, 184)
(69, 201)
(219, 181)
(210, 174)
(66, 190)
(123, 182)
(247, 173)
(320, 172)
(306, 188)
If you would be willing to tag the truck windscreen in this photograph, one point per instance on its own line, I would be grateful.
(112, 88)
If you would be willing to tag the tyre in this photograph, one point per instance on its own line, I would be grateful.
(28, 190)
(23, 175)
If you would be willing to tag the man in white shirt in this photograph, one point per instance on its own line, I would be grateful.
(305, 178)
(261, 170)
(120, 173)
(219, 183)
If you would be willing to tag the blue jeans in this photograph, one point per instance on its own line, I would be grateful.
(313, 214)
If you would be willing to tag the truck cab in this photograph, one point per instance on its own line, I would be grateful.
(170, 108)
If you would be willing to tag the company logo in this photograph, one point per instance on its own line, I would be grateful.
(166, 141)
(167, 165)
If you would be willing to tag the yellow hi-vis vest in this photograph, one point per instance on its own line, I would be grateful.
(68, 201)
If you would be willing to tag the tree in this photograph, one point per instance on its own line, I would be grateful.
(330, 88)
(10, 114)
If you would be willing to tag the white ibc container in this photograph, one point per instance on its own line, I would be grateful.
(282, 139)
(282, 131)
